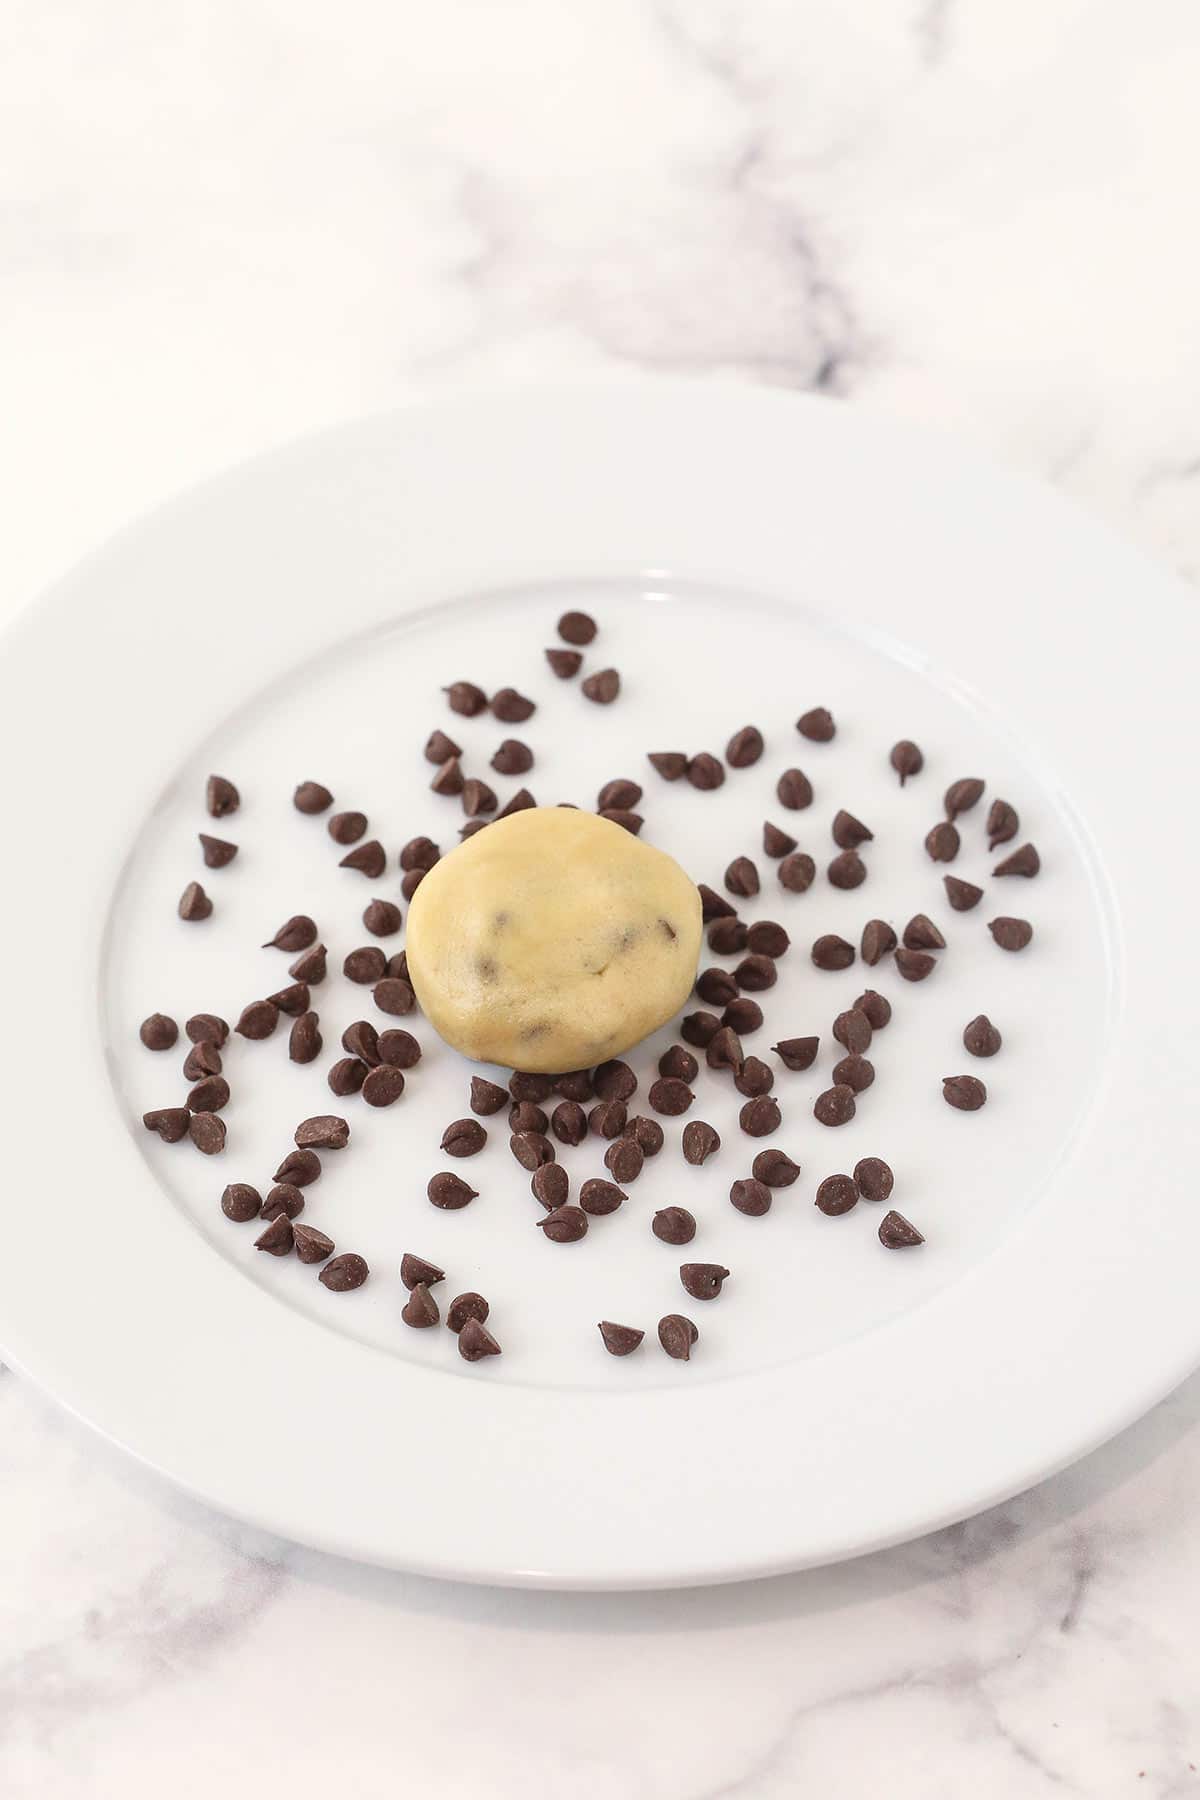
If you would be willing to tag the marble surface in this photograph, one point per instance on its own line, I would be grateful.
(229, 223)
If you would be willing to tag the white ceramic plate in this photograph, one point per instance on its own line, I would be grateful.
(749, 555)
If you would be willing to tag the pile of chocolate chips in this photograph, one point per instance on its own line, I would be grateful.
(549, 1114)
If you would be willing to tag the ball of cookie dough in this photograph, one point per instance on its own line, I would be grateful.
(552, 940)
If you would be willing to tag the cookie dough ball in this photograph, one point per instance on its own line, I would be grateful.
(552, 940)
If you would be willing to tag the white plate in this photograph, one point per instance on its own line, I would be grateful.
(749, 555)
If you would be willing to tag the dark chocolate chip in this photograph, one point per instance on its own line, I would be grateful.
(1024, 861)
(324, 1131)
(521, 801)
(759, 1118)
(756, 972)
(700, 1141)
(835, 1106)
(743, 1015)
(717, 986)
(450, 1192)
(419, 853)
(776, 843)
(677, 1334)
(608, 1118)
(362, 1040)
(942, 843)
(624, 1159)
(744, 747)
(258, 1020)
(465, 698)
(511, 707)
(194, 903)
(569, 1122)
(206, 1028)
(416, 1272)
(576, 628)
(797, 1053)
(895, 1232)
(412, 881)
(529, 1084)
(486, 1096)
(966, 1093)
(465, 1307)
(674, 1225)
(283, 1198)
(202, 1059)
(619, 795)
(962, 895)
(703, 1281)
(797, 872)
(531, 1149)
(449, 779)
(873, 1178)
(854, 1072)
(365, 966)
(299, 1167)
(670, 764)
(526, 1115)
(1002, 823)
(347, 1076)
(393, 996)
(754, 1078)
(397, 967)
(170, 1123)
(877, 1009)
(922, 934)
(600, 1197)
(551, 1185)
(1011, 934)
(670, 1096)
(620, 1340)
(420, 1310)
(383, 918)
(836, 1195)
(832, 952)
(614, 1080)
(464, 1137)
(714, 905)
(741, 877)
(399, 1049)
(628, 821)
(278, 1238)
(439, 748)
(209, 1094)
(344, 1273)
(705, 772)
(475, 1342)
(751, 1197)
(775, 1168)
(853, 1030)
(849, 832)
(383, 1086)
(310, 968)
(602, 687)
(847, 870)
(962, 795)
(369, 859)
(217, 852)
(906, 759)
(817, 725)
(699, 1028)
(724, 1049)
(679, 1063)
(915, 965)
(207, 1132)
(311, 797)
(564, 1225)
(564, 663)
(794, 790)
(878, 939)
(221, 797)
(347, 827)
(241, 1203)
(646, 1133)
(478, 797)
(292, 1000)
(981, 1037)
(158, 1032)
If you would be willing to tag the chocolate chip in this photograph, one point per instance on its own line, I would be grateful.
(915, 965)
(836, 1195)
(258, 1020)
(678, 1063)
(411, 882)
(564, 663)
(365, 966)
(743, 1015)
(714, 905)
(774, 1168)
(600, 1197)
(981, 1037)
(717, 986)
(646, 1133)
(344, 1273)
(670, 764)
(438, 749)
(853, 1030)
(449, 1192)
(895, 1232)
(324, 1131)
(362, 1040)
(794, 790)
(877, 1009)
(618, 795)
(241, 1203)
(832, 952)
(759, 1118)
(1011, 934)
(464, 1308)
(751, 1197)
(724, 1049)
(397, 967)
(416, 1272)
(419, 853)
(569, 1122)
(383, 918)
(797, 872)
(206, 1028)
(624, 1159)
(966, 1093)
(393, 996)
(210, 1094)
(312, 1246)
(551, 1185)
(741, 877)
(849, 832)
(369, 859)
(531, 1149)
(677, 1334)
(511, 707)
(1002, 823)
(699, 1028)
(797, 1053)
(705, 772)
(906, 759)
(309, 968)
(170, 1123)
(217, 852)
(297, 933)
(847, 870)
(207, 1132)
(614, 1080)
(383, 1086)
(399, 1049)
(278, 1238)
(835, 1106)
(478, 797)
(603, 687)
(776, 843)
(576, 628)
(464, 1137)
(942, 843)
(201, 1059)
(922, 934)
(744, 747)
(564, 1225)
(299, 1167)
(347, 1076)
(194, 903)
(283, 1198)
(292, 1000)
(486, 1096)
(878, 939)
(854, 1072)
(158, 1032)
(700, 1141)
(465, 698)
(670, 1096)
(221, 797)
(703, 1281)
(347, 827)
(521, 801)
(873, 1178)
(1024, 861)
(475, 1342)
(449, 779)
(757, 972)
(420, 1310)
(961, 796)
(962, 895)
(754, 1078)
(311, 797)
(620, 1340)
(526, 1115)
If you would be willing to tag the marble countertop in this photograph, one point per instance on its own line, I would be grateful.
(227, 224)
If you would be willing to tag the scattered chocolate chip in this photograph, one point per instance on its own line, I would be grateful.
(526, 1115)
(309, 968)
(608, 1118)
(292, 1000)
(794, 790)
(362, 1040)
(299, 1167)
(419, 853)
(158, 1032)
(217, 852)
(741, 877)
(877, 1009)
(873, 1178)
(450, 1192)
(600, 1197)
(699, 1028)
(679, 1063)
(613, 1080)
(714, 905)
(915, 965)
(743, 1015)
(365, 966)
(677, 1334)
(624, 1159)
(797, 872)
(816, 725)
(776, 843)
(756, 973)
(847, 870)
(531, 1149)
(569, 1122)
(564, 1225)
(170, 1123)
(832, 952)
(1011, 934)
(895, 1232)
(438, 749)
(724, 1049)
(906, 759)
(201, 1059)
(258, 1020)
(966, 1093)
(922, 934)
(835, 1106)
(703, 1281)
(209, 1094)
(853, 1030)
(744, 747)
(961, 796)
(311, 797)
(620, 1340)
(194, 903)
(464, 1308)
(369, 859)
(511, 707)
(344, 1273)
(399, 1049)
(449, 779)
(383, 918)
(278, 1238)
(465, 698)
(207, 1132)
(478, 797)
(759, 1118)
(347, 827)
(221, 797)
(324, 1131)
(854, 1072)
(347, 1076)
(981, 1037)
(603, 687)
(774, 1168)
(618, 795)
(241, 1203)
(942, 842)
(797, 1053)
(646, 1133)
(962, 895)
(521, 801)
(283, 1198)
(878, 939)
(576, 628)
(751, 1197)
(670, 764)
(1002, 823)
(416, 1272)
(397, 967)
(700, 1141)
(475, 1342)
(1024, 861)
(564, 663)
(705, 772)
(206, 1028)
(486, 1096)
(754, 1078)
(551, 1185)
(717, 986)
(420, 1310)
(393, 996)
(670, 1096)
(411, 882)
(464, 1137)
(836, 1195)
(849, 832)
(383, 1086)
